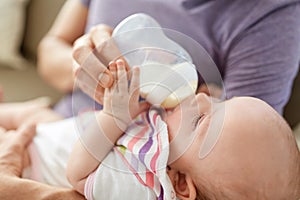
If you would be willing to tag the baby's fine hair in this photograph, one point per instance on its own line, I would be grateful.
(206, 191)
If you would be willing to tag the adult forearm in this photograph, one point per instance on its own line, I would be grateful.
(12, 188)
(55, 63)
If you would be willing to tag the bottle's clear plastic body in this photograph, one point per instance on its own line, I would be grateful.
(167, 72)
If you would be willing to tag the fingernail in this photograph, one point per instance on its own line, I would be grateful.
(104, 79)
(110, 63)
(120, 62)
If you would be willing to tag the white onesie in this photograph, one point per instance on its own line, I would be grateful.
(50, 150)
(136, 167)
(49, 154)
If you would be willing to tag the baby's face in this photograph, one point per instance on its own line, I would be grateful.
(189, 123)
(248, 156)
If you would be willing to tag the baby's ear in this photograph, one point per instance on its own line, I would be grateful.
(184, 187)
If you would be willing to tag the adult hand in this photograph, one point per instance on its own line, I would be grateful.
(12, 149)
(92, 53)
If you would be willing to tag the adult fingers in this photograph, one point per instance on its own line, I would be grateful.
(106, 49)
(89, 86)
(86, 59)
(100, 33)
(82, 47)
(97, 70)
(25, 134)
(13, 145)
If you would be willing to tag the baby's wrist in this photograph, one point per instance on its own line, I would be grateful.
(115, 120)
(112, 127)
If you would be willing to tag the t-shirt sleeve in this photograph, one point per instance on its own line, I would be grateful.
(263, 61)
(86, 2)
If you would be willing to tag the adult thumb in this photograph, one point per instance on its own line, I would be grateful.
(25, 134)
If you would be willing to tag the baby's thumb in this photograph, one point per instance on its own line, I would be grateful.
(144, 106)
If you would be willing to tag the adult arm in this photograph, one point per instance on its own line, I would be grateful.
(66, 45)
(12, 187)
(264, 59)
(55, 49)
(12, 147)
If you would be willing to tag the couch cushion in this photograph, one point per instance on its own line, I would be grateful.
(292, 109)
(23, 85)
(40, 16)
(12, 20)
(297, 135)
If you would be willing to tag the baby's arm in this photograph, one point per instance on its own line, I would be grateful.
(82, 162)
(121, 104)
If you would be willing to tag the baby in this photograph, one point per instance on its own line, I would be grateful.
(237, 149)
(253, 155)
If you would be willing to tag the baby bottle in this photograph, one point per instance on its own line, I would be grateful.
(167, 74)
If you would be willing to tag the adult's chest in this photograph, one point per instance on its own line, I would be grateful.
(199, 19)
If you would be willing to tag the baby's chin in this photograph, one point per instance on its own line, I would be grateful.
(169, 127)
(170, 134)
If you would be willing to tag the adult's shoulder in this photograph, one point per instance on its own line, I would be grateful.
(237, 19)
(265, 8)
(86, 2)
(262, 56)
(244, 14)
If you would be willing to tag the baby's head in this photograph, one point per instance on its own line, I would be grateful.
(255, 157)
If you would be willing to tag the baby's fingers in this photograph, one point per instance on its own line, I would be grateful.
(134, 89)
(122, 83)
(113, 70)
(109, 91)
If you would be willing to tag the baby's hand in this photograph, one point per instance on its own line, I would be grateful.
(122, 100)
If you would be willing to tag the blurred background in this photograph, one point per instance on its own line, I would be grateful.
(22, 25)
